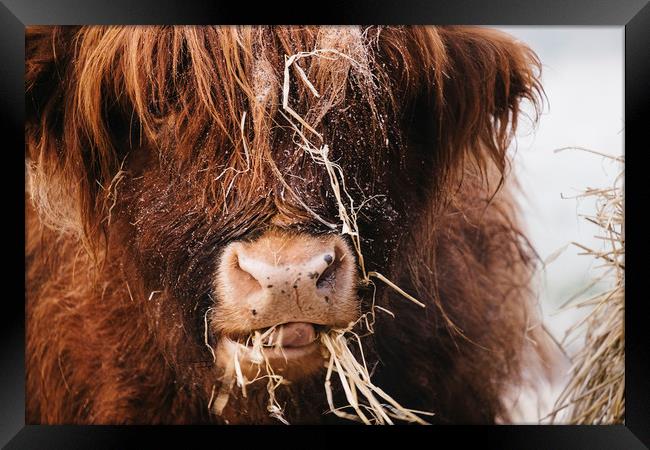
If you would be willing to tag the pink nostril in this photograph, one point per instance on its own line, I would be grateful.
(246, 274)
(239, 277)
(250, 270)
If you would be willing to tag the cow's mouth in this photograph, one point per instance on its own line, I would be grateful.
(291, 338)
(289, 348)
(290, 335)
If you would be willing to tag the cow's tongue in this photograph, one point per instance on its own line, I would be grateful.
(296, 334)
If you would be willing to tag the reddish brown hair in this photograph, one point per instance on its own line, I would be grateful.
(135, 154)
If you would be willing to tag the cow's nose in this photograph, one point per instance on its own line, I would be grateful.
(288, 278)
(316, 273)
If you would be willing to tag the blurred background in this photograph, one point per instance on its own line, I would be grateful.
(582, 74)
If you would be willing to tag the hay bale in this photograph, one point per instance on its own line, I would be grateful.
(595, 393)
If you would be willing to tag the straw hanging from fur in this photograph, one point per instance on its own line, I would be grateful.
(371, 405)
(355, 380)
(354, 376)
(321, 156)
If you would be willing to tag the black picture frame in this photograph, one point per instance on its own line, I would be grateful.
(634, 15)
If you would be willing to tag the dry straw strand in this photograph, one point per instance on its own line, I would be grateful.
(371, 405)
(354, 377)
(595, 393)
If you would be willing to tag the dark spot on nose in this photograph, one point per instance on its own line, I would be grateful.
(282, 291)
(328, 259)
(327, 299)
(295, 286)
(313, 275)
(270, 286)
(287, 269)
(254, 312)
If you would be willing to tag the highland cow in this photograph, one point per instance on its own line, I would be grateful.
(172, 208)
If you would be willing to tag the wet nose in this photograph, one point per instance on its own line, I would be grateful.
(315, 273)
(285, 278)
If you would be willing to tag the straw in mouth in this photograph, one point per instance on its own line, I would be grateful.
(263, 349)
(369, 404)
(287, 335)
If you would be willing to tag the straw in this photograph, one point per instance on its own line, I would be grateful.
(595, 393)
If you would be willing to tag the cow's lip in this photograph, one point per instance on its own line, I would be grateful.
(315, 330)
(272, 354)
(285, 353)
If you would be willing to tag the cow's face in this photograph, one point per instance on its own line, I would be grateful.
(265, 250)
(177, 145)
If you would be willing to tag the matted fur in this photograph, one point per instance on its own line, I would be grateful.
(138, 178)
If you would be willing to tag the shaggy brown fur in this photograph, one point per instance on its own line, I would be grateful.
(138, 178)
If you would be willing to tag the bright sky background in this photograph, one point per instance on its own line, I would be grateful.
(582, 75)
